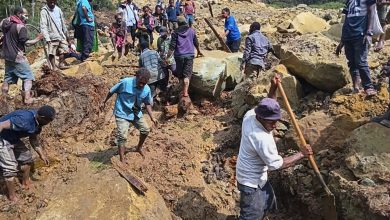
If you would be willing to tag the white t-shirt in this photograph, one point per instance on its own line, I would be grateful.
(258, 153)
(56, 15)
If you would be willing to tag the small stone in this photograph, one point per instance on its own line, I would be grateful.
(367, 182)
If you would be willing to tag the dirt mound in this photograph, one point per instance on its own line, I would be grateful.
(76, 100)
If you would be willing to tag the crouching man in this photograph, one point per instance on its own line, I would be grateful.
(132, 92)
(13, 152)
(258, 154)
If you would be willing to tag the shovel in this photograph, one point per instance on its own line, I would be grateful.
(329, 205)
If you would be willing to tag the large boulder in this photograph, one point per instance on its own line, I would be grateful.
(248, 93)
(306, 22)
(86, 67)
(103, 195)
(321, 131)
(369, 152)
(311, 57)
(214, 72)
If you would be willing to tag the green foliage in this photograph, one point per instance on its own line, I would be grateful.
(325, 4)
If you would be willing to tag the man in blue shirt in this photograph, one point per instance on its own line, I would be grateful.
(13, 152)
(232, 34)
(172, 16)
(87, 22)
(132, 92)
(356, 37)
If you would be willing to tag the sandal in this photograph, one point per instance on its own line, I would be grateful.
(371, 92)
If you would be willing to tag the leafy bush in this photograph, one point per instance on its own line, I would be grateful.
(326, 4)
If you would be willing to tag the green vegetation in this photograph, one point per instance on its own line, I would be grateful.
(324, 4)
(34, 7)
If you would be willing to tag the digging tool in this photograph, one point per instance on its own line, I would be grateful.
(210, 9)
(225, 47)
(329, 205)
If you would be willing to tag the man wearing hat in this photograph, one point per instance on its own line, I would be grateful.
(13, 152)
(183, 44)
(258, 154)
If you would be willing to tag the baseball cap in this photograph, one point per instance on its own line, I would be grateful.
(268, 109)
(163, 31)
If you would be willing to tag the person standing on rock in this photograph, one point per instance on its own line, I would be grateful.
(87, 22)
(132, 92)
(182, 46)
(14, 44)
(130, 15)
(231, 31)
(257, 46)
(258, 154)
(150, 59)
(356, 37)
(53, 28)
(13, 152)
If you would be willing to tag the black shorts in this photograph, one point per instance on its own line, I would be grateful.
(234, 46)
(184, 66)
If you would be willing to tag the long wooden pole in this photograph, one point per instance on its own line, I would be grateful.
(225, 47)
(302, 139)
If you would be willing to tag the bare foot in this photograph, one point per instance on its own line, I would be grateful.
(140, 152)
(13, 198)
(26, 184)
(379, 46)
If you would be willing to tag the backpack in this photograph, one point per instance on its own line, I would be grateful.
(76, 24)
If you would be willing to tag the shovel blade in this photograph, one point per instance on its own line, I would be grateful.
(329, 207)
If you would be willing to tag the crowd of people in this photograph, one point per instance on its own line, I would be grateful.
(132, 30)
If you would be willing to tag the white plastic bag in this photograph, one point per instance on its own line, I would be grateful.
(377, 27)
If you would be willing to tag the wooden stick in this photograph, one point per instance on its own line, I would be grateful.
(225, 47)
(302, 139)
(129, 177)
(210, 9)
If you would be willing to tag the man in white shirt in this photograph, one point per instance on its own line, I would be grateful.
(53, 28)
(130, 15)
(258, 154)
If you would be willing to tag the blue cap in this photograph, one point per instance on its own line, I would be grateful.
(268, 109)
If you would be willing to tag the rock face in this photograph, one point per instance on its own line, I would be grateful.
(311, 57)
(108, 197)
(369, 155)
(212, 70)
(321, 131)
(248, 93)
(87, 67)
(306, 22)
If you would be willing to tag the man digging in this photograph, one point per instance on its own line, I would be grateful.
(13, 152)
(132, 92)
(258, 154)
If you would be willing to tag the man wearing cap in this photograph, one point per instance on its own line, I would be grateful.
(258, 154)
(13, 152)
(183, 44)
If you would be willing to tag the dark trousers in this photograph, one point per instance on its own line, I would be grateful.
(87, 39)
(255, 203)
(356, 52)
(132, 31)
(234, 46)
